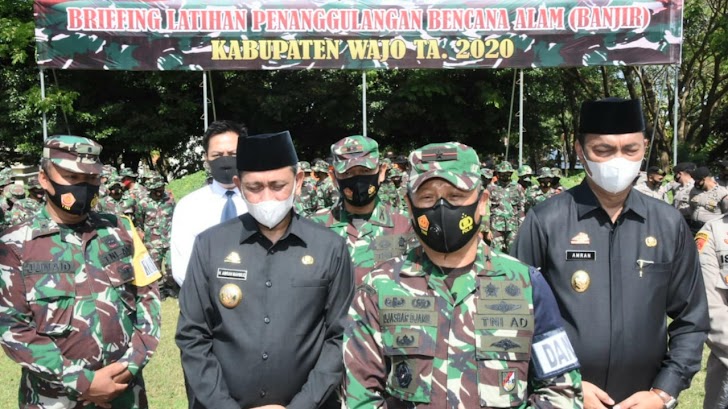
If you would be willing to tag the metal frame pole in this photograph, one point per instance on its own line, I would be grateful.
(364, 102)
(520, 123)
(675, 108)
(42, 98)
(510, 113)
(204, 98)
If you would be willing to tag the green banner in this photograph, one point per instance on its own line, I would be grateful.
(355, 34)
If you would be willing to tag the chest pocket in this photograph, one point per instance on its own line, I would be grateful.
(51, 298)
(410, 354)
(387, 247)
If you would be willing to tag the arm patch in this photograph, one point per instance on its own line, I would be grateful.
(553, 354)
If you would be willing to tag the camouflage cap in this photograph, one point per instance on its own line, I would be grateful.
(320, 166)
(73, 153)
(504, 167)
(33, 183)
(545, 173)
(556, 172)
(304, 166)
(353, 151)
(486, 173)
(155, 182)
(127, 172)
(14, 192)
(107, 170)
(524, 171)
(114, 179)
(458, 164)
(394, 173)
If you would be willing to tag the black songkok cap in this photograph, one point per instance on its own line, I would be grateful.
(684, 167)
(654, 170)
(700, 173)
(611, 116)
(269, 151)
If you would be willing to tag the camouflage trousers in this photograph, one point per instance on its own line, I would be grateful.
(503, 241)
(36, 393)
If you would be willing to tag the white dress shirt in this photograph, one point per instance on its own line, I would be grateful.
(195, 213)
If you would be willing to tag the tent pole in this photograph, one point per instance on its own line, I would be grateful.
(42, 98)
(520, 122)
(675, 107)
(204, 98)
(364, 103)
(212, 100)
(510, 113)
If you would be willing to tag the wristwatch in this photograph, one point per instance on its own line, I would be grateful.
(667, 400)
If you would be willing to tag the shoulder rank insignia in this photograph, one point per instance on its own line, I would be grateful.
(366, 288)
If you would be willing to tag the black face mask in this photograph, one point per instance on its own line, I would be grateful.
(116, 192)
(700, 184)
(443, 227)
(223, 169)
(156, 194)
(544, 185)
(504, 179)
(359, 190)
(525, 182)
(76, 199)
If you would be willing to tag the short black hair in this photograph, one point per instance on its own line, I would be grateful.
(220, 127)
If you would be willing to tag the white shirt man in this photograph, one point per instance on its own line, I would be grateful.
(203, 208)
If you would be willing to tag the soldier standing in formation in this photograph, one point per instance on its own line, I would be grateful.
(326, 193)
(708, 200)
(620, 264)
(681, 188)
(452, 324)
(525, 173)
(651, 185)
(712, 243)
(306, 201)
(116, 201)
(74, 311)
(25, 209)
(543, 190)
(155, 218)
(374, 231)
(507, 203)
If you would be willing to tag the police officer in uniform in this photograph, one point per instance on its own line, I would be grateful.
(77, 312)
(265, 298)
(651, 185)
(708, 199)
(453, 324)
(712, 243)
(620, 264)
(681, 187)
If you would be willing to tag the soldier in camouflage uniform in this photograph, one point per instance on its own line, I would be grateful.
(525, 173)
(507, 208)
(117, 201)
(129, 180)
(5, 179)
(305, 202)
(106, 172)
(374, 231)
(392, 190)
(556, 180)
(538, 193)
(326, 193)
(24, 209)
(452, 324)
(155, 220)
(12, 194)
(76, 313)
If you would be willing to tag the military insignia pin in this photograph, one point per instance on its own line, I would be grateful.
(581, 238)
(232, 258)
(230, 295)
(67, 200)
(307, 260)
(403, 373)
(650, 241)
(580, 281)
(508, 380)
(423, 223)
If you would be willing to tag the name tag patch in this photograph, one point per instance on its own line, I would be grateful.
(232, 274)
(394, 318)
(116, 255)
(495, 322)
(44, 267)
(553, 354)
(580, 255)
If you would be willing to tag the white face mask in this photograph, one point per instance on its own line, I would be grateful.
(271, 212)
(614, 175)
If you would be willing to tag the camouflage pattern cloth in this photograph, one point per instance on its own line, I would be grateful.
(326, 194)
(537, 194)
(13, 193)
(525, 175)
(386, 234)
(393, 190)
(117, 202)
(415, 340)
(137, 191)
(507, 208)
(68, 308)
(24, 210)
(154, 213)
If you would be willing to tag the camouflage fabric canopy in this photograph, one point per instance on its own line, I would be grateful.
(358, 34)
